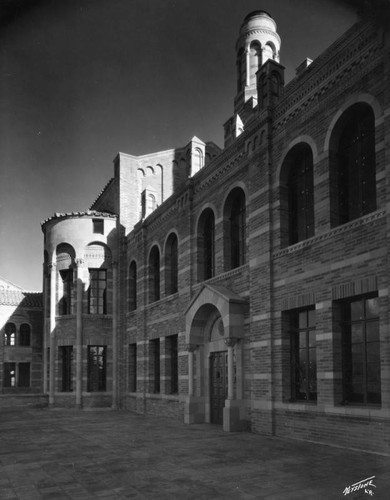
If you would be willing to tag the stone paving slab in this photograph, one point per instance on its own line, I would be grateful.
(62, 454)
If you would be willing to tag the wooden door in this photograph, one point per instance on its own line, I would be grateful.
(218, 386)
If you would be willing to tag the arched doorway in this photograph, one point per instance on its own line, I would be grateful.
(214, 329)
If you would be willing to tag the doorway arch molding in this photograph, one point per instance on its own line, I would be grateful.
(230, 306)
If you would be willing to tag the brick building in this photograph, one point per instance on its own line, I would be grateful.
(21, 362)
(246, 287)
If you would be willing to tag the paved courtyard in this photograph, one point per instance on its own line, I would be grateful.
(55, 454)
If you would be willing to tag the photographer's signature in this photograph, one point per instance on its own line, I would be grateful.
(365, 484)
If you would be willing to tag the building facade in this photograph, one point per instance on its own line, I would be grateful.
(246, 287)
(21, 349)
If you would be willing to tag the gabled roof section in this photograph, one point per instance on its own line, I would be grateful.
(8, 285)
(21, 299)
(106, 188)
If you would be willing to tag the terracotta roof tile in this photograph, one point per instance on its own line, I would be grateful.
(21, 298)
(91, 213)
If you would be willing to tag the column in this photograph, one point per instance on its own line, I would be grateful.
(231, 342)
(52, 268)
(114, 335)
(79, 332)
(194, 406)
(248, 67)
(45, 328)
(191, 348)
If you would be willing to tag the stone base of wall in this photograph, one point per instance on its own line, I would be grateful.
(151, 404)
(23, 401)
(364, 433)
(97, 401)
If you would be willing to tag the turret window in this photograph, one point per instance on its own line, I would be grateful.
(97, 291)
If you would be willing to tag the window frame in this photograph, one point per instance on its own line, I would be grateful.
(99, 293)
(353, 165)
(296, 331)
(97, 368)
(351, 396)
(10, 336)
(206, 245)
(25, 336)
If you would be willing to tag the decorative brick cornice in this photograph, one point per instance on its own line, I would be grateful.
(263, 31)
(229, 274)
(211, 179)
(327, 71)
(367, 219)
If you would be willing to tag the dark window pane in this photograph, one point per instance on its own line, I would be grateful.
(372, 308)
(24, 375)
(25, 335)
(357, 310)
(96, 368)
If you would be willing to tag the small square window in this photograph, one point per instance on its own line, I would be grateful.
(98, 226)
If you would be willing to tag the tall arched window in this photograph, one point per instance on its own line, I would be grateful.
(297, 195)
(235, 229)
(206, 245)
(133, 286)
(10, 334)
(154, 274)
(25, 335)
(300, 194)
(171, 264)
(352, 168)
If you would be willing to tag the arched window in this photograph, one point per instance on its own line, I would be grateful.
(151, 203)
(199, 159)
(297, 195)
(98, 261)
(25, 335)
(65, 302)
(133, 286)
(206, 245)
(10, 334)
(171, 265)
(254, 61)
(154, 274)
(352, 168)
(65, 257)
(235, 229)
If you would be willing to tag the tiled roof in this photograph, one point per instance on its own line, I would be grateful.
(21, 298)
(91, 213)
(103, 190)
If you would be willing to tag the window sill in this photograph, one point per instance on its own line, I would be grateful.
(330, 233)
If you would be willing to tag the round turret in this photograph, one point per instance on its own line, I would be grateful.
(258, 41)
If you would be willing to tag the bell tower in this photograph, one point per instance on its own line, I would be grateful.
(257, 47)
(258, 41)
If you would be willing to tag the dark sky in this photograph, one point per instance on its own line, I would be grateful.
(81, 80)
